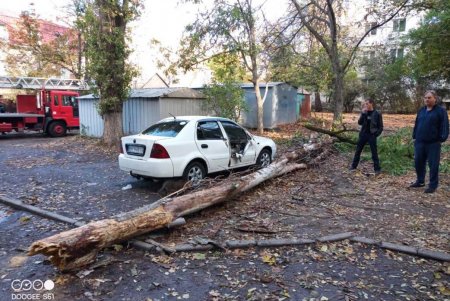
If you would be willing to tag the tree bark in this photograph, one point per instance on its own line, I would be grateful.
(78, 247)
(338, 96)
(336, 134)
(317, 102)
(260, 108)
(113, 129)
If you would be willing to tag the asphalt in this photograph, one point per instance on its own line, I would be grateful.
(72, 177)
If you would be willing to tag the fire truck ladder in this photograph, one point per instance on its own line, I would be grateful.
(13, 82)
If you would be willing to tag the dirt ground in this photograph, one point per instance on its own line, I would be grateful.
(76, 177)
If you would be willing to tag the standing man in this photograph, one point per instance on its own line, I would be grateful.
(371, 123)
(430, 130)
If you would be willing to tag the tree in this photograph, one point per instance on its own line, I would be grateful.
(104, 27)
(388, 81)
(353, 87)
(224, 96)
(229, 27)
(430, 44)
(42, 49)
(309, 69)
(321, 19)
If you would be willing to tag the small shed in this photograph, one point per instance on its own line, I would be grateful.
(281, 105)
(143, 108)
(305, 103)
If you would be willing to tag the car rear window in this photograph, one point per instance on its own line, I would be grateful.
(166, 129)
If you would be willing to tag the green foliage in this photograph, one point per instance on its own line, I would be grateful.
(225, 100)
(227, 67)
(225, 28)
(235, 27)
(104, 27)
(395, 151)
(311, 69)
(445, 159)
(431, 43)
(224, 96)
(353, 87)
(388, 81)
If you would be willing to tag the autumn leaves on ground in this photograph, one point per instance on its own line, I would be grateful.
(77, 178)
(331, 199)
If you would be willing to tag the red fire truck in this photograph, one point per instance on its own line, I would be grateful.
(52, 110)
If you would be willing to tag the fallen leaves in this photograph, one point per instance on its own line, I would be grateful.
(17, 261)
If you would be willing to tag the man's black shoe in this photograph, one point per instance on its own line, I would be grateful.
(430, 190)
(351, 168)
(416, 185)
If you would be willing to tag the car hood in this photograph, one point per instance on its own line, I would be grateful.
(263, 140)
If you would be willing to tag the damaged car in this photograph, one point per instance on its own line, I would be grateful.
(191, 147)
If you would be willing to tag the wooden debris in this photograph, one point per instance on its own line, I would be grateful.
(75, 248)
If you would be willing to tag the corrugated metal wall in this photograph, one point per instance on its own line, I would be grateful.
(139, 114)
(181, 107)
(286, 106)
(280, 106)
(250, 118)
(91, 124)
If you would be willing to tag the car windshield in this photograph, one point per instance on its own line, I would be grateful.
(166, 129)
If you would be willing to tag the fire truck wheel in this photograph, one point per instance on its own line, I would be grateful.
(57, 129)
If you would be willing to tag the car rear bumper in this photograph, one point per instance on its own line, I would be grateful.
(154, 168)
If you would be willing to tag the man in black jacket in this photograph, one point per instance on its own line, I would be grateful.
(371, 123)
(430, 130)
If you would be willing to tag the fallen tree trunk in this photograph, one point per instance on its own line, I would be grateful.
(336, 134)
(78, 247)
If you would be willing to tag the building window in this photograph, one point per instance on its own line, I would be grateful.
(396, 53)
(399, 25)
(371, 25)
(369, 55)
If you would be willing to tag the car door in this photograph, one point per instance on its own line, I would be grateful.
(242, 146)
(213, 145)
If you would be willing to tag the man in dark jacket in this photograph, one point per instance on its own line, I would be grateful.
(371, 123)
(430, 130)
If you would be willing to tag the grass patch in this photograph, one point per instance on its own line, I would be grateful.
(445, 159)
(396, 152)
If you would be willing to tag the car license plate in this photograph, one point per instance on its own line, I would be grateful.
(135, 150)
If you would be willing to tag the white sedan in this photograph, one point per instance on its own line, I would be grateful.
(192, 147)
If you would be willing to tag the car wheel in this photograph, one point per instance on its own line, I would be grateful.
(57, 129)
(264, 158)
(194, 172)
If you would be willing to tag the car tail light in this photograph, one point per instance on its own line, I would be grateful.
(159, 152)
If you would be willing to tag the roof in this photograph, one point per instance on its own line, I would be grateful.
(196, 118)
(156, 81)
(157, 93)
(262, 85)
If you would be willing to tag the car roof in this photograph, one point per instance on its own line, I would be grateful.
(196, 118)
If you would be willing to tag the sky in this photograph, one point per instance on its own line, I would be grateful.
(163, 20)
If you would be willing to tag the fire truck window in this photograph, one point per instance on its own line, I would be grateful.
(56, 100)
(66, 101)
(70, 101)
